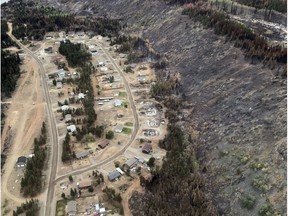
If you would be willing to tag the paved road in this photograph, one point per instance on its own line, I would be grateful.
(52, 123)
(133, 135)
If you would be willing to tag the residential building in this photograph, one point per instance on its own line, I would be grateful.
(85, 183)
(117, 102)
(118, 128)
(21, 161)
(64, 107)
(59, 85)
(82, 154)
(147, 148)
(132, 162)
(113, 175)
(81, 95)
(103, 143)
(71, 128)
(72, 208)
(68, 117)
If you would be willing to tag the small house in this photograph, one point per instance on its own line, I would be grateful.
(113, 175)
(68, 117)
(21, 161)
(81, 96)
(81, 155)
(103, 69)
(117, 103)
(71, 128)
(85, 183)
(132, 162)
(103, 143)
(72, 208)
(64, 107)
(59, 85)
(147, 148)
(118, 128)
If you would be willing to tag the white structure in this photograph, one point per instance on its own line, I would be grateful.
(59, 85)
(71, 128)
(103, 69)
(81, 95)
(64, 107)
(117, 103)
(118, 128)
(119, 170)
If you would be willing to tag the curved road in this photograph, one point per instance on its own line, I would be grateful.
(52, 123)
(133, 135)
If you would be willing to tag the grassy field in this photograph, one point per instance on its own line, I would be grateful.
(60, 208)
(129, 124)
(127, 130)
(122, 94)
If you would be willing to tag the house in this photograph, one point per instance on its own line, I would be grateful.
(82, 154)
(21, 161)
(48, 50)
(71, 128)
(147, 148)
(72, 208)
(85, 183)
(100, 63)
(118, 128)
(64, 107)
(81, 95)
(113, 175)
(132, 162)
(68, 117)
(59, 85)
(103, 143)
(117, 103)
(103, 69)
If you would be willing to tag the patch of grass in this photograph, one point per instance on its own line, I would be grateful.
(60, 208)
(248, 202)
(122, 94)
(127, 130)
(129, 124)
(124, 104)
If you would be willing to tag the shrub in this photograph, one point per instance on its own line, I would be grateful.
(110, 135)
(248, 201)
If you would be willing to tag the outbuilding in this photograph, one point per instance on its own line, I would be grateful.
(59, 85)
(132, 162)
(85, 183)
(64, 107)
(71, 128)
(68, 117)
(117, 103)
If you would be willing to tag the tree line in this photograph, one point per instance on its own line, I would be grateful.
(30, 208)
(255, 46)
(32, 182)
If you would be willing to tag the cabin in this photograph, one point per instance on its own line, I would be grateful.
(103, 143)
(81, 155)
(129, 164)
(118, 128)
(147, 148)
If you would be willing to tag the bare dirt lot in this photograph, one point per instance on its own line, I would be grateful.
(24, 116)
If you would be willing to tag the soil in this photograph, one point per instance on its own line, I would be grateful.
(24, 120)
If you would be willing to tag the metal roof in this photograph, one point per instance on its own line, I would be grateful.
(113, 175)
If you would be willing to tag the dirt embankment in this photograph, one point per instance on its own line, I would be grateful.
(239, 108)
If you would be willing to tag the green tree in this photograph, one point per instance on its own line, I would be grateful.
(110, 135)
(151, 162)
(91, 189)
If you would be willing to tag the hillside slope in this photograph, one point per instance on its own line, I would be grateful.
(238, 108)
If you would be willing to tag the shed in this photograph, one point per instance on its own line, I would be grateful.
(59, 85)
(21, 161)
(85, 183)
(147, 148)
(71, 128)
(117, 102)
(97, 207)
(72, 208)
(118, 128)
(82, 154)
(113, 175)
(132, 162)
(64, 107)
(103, 143)
(103, 69)
(68, 117)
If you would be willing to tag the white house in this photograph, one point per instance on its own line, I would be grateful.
(71, 128)
(118, 128)
(117, 103)
(64, 107)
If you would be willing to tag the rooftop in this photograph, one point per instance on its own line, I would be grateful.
(81, 154)
(71, 206)
(85, 183)
(21, 159)
(131, 162)
(113, 175)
